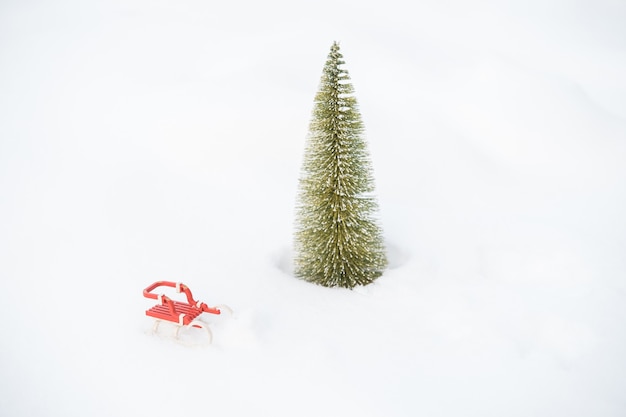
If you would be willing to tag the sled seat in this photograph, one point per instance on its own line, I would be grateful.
(182, 313)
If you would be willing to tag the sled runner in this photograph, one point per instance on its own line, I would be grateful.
(182, 314)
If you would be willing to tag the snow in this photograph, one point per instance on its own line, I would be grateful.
(159, 140)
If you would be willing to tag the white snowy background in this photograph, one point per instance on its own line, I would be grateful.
(162, 140)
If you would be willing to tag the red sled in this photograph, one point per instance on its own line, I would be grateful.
(182, 314)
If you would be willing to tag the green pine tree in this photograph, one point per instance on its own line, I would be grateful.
(338, 241)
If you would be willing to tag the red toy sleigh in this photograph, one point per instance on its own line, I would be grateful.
(182, 314)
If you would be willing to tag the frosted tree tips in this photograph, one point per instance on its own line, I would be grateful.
(338, 241)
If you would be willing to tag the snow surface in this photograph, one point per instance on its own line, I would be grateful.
(162, 140)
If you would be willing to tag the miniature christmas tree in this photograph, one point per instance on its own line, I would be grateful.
(338, 241)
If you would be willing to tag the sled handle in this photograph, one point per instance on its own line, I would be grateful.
(180, 287)
(147, 292)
